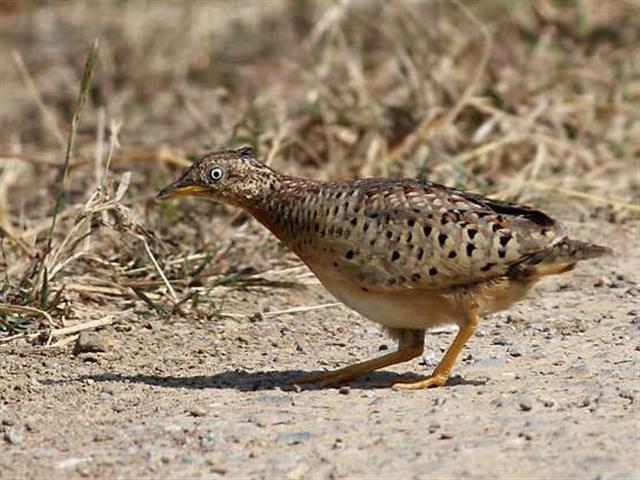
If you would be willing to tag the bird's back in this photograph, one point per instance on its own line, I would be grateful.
(406, 234)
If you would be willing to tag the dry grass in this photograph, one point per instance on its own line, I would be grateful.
(512, 98)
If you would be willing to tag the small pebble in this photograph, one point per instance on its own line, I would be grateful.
(91, 342)
(500, 341)
(197, 411)
(514, 318)
(102, 436)
(617, 282)
(88, 358)
(429, 359)
(293, 438)
(585, 402)
(628, 394)
(344, 390)
(13, 436)
(525, 405)
(548, 402)
(601, 282)
(525, 435)
(515, 352)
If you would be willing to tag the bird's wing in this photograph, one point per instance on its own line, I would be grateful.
(429, 236)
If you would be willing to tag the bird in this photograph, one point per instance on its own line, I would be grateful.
(407, 254)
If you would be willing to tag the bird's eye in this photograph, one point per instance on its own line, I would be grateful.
(216, 173)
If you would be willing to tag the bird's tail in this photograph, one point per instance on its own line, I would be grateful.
(559, 258)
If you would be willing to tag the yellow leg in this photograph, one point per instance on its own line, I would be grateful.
(409, 347)
(442, 372)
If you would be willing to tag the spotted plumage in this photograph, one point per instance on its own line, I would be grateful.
(393, 230)
(406, 254)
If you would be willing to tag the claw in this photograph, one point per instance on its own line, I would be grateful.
(437, 380)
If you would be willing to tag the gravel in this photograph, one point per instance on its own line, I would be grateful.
(159, 409)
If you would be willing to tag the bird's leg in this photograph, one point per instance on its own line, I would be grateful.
(442, 372)
(409, 346)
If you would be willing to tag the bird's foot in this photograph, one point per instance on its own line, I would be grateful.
(357, 370)
(435, 380)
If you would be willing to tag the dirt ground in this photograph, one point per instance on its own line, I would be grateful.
(528, 101)
(546, 390)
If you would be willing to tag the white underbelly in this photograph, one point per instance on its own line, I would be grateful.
(414, 309)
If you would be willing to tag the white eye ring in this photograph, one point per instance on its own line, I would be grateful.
(216, 173)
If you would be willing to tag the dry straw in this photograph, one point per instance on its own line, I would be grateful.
(526, 100)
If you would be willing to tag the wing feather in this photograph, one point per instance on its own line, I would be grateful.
(428, 236)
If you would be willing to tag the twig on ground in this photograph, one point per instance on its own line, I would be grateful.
(61, 332)
(170, 289)
(63, 343)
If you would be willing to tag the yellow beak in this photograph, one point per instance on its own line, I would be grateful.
(177, 190)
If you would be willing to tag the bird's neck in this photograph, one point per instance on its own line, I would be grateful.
(280, 204)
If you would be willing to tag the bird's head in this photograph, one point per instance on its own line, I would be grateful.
(231, 176)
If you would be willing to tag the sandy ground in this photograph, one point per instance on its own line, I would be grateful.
(547, 390)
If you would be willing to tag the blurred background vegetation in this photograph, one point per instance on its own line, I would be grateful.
(530, 100)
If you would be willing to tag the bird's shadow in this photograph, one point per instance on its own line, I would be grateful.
(266, 380)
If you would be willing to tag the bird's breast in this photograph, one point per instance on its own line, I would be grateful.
(414, 309)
